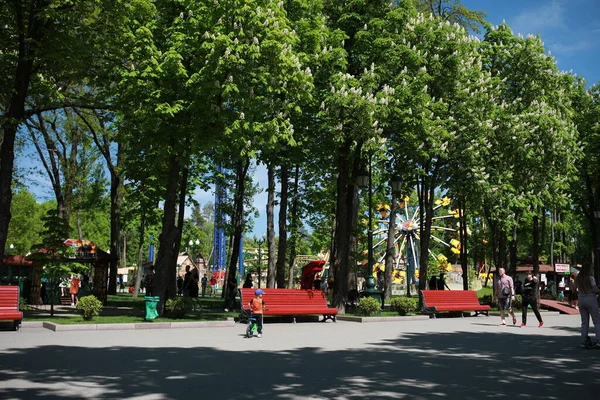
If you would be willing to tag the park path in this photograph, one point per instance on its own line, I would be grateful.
(451, 358)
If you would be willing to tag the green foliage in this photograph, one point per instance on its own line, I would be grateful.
(25, 225)
(487, 299)
(405, 305)
(368, 306)
(89, 307)
(23, 306)
(179, 307)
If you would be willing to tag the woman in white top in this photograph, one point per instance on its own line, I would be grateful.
(588, 306)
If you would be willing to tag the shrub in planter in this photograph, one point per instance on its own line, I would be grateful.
(89, 307)
(368, 306)
(179, 307)
(404, 305)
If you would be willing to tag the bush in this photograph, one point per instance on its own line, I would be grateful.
(89, 307)
(405, 305)
(487, 299)
(368, 306)
(179, 307)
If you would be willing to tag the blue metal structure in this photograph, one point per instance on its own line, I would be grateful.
(219, 239)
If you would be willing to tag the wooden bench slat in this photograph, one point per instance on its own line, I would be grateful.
(9, 305)
(291, 302)
(451, 300)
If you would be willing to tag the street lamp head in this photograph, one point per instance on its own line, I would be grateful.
(197, 242)
(362, 178)
(597, 214)
(12, 246)
(191, 242)
(396, 184)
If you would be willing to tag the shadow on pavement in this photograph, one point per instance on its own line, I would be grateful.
(459, 365)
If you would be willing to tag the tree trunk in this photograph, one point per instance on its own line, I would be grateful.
(535, 249)
(463, 243)
(426, 192)
(343, 230)
(389, 250)
(116, 195)
(29, 32)
(167, 256)
(140, 254)
(502, 248)
(238, 218)
(513, 247)
(270, 225)
(294, 228)
(282, 245)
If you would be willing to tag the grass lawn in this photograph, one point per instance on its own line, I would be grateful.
(127, 300)
(485, 291)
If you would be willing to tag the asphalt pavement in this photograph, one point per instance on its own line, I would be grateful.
(444, 358)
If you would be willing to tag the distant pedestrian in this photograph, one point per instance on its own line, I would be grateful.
(573, 299)
(248, 282)
(179, 285)
(529, 294)
(441, 282)
(204, 282)
(213, 285)
(74, 285)
(149, 282)
(432, 283)
(194, 283)
(588, 306)
(505, 292)
(187, 278)
(121, 284)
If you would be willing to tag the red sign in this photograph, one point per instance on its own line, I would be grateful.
(83, 248)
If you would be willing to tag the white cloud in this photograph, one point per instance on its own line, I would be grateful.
(570, 48)
(548, 16)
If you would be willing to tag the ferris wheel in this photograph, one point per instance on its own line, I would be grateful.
(407, 235)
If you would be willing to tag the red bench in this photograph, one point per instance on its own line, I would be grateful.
(435, 301)
(9, 305)
(291, 302)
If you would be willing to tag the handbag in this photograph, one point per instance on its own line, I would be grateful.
(505, 291)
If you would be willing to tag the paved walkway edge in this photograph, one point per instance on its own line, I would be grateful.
(380, 319)
(113, 327)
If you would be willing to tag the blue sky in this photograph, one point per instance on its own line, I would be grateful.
(569, 29)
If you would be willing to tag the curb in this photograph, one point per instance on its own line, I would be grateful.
(131, 326)
(381, 319)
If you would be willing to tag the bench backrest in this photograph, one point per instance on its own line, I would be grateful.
(443, 297)
(9, 297)
(286, 297)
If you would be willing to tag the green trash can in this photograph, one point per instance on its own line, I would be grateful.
(151, 302)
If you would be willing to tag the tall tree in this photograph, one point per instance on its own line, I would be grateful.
(53, 45)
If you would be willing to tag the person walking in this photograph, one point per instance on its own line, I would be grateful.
(588, 306)
(505, 292)
(573, 292)
(528, 291)
(204, 282)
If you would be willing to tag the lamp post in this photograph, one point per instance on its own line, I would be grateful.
(597, 249)
(260, 243)
(364, 180)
